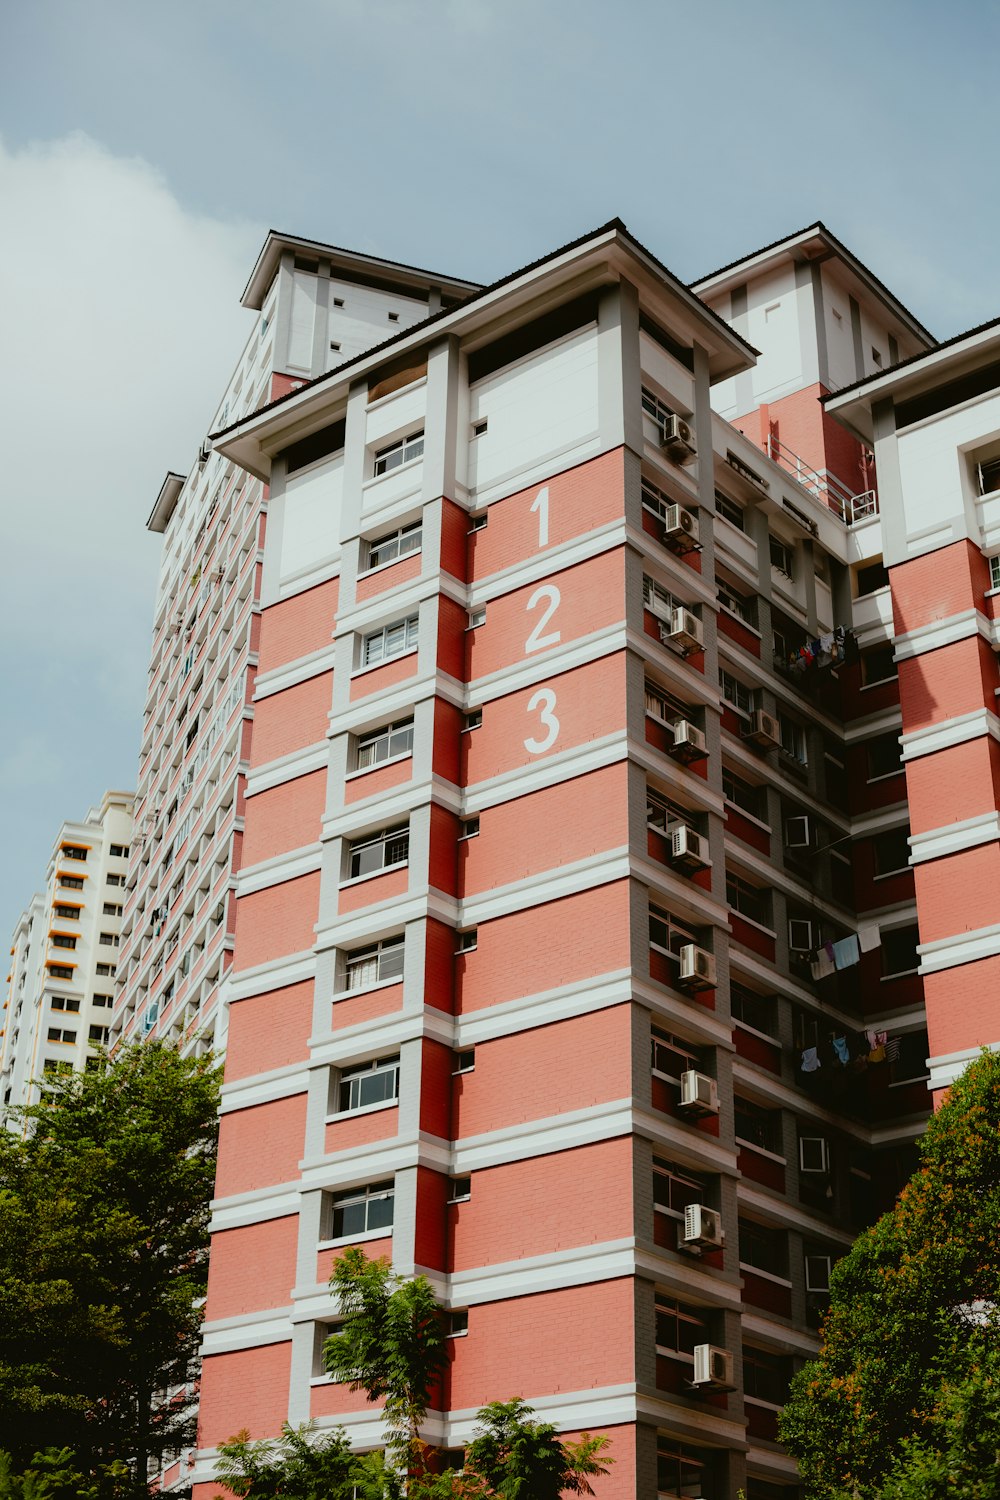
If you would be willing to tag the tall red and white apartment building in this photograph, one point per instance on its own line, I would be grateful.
(552, 860)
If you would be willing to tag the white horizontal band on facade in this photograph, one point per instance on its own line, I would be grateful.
(949, 1066)
(963, 948)
(554, 770)
(791, 1340)
(938, 633)
(549, 885)
(279, 869)
(381, 1035)
(934, 843)
(947, 732)
(248, 1331)
(288, 767)
(257, 1207)
(300, 670)
(548, 664)
(264, 1088)
(691, 1148)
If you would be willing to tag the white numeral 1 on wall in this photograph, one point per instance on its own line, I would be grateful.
(541, 504)
(543, 704)
(537, 641)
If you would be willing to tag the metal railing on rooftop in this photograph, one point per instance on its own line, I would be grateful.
(825, 486)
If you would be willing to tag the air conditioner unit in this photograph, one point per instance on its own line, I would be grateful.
(702, 1228)
(684, 631)
(713, 1367)
(798, 834)
(688, 849)
(764, 731)
(697, 968)
(699, 1094)
(680, 529)
(689, 742)
(678, 439)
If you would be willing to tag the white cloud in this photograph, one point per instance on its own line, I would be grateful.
(121, 326)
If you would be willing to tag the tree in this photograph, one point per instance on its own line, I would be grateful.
(55, 1475)
(392, 1346)
(103, 1256)
(903, 1346)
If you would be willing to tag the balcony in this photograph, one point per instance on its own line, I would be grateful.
(827, 489)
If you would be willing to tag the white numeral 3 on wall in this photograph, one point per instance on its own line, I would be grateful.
(543, 704)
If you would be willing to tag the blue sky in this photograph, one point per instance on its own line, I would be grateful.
(145, 150)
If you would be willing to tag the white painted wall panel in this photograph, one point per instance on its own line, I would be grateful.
(935, 476)
(310, 521)
(363, 321)
(395, 416)
(544, 405)
(301, 321)
(839, 338)
(667, 373)
(773, 315)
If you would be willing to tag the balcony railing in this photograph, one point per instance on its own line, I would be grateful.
(826, 488)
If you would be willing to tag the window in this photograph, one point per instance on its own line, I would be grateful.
(730, 511)
(661, 813)
(385, 743)
(818, 1268)
(782, 556)
(909, 1065)
(666, 933)
(379, 851)
(891, 850)
(749, 900)
(69, 913)
(372, 965)
(674, 1189)
(119, 851)
(63, 1002)
(401, 452)
(396, 544)
(101, 1000)
(71, 882)
(118, 880)
(72, 851)
(391, 640)
(679, 1327)
(793, 737)
(736, 693)
(658, 599)
(361, 1210)
(375, 1082)
(672, 1056)
(477, 617)
(744, 795)
(467, 941)
(55, 1034)
(814, 1154)
(871, 577)
(884, 756)
(663, 705)
(63, 940)
(478, 521)
(458, 1323)
(654, 499)
(763, 1248)
(60, 971)
(995, 568)
(757, 1126)
(469, 829)
(465, 1061)
(680, 1470)
(765, 1376)
(473, 719)
(98, 1035)
(111, 909)
(460, 1190)
(899, 950)
(655, 408)
(51, 1066)
(878, 665)
(750, 1008)
(876, 357)
(110, 939)
(480, 428)
(743, 605)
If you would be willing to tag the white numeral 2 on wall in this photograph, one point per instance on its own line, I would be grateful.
(536, 640)
(543, 704)
(541, 504)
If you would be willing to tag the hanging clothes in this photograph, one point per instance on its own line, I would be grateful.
(822, 964)
(810, 1060)
(846, 952)
(869, 936)
(841, 1048)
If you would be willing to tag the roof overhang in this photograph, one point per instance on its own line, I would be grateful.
(353, 264)
(166, 500)
(607, 255)
(816, 243)
(919, 376)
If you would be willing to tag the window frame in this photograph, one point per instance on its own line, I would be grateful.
(365, 1195)
(390, 846)
(353, 1079)
(405, 546)
(410, 640)
(376, 953)
(729, 682)
(382, 458)
(675, 930)
(782, 556)
(724, 504)
(371, 739)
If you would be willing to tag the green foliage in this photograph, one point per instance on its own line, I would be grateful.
(55, 1475)
(391, 1344)
(523, 1460)
(900, 1364)
(103, 1244)
(291, 1467)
